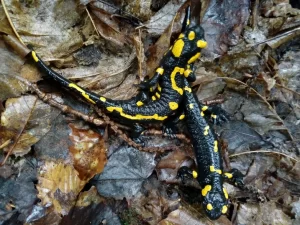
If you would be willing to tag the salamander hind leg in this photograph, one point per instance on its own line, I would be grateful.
(136, 134)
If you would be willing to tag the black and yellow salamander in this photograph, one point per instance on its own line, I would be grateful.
(174, 67)
(209, 172)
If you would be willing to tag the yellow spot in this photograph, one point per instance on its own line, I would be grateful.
(204, 108)
(228, 175)
(224, 209)
(191, 35)
(206, 129)
(202, 113)
(187, 89)
(102, 99)
(195, 174)
(187, 72)
(201, 44)
(139, 103)
(215, 146)
(225, 193)
(177, 48)
(159, 88)
(160, 70)
(191, 106)
(35, 58)
(151, 89)
(79, 89)
(205, 190)
(157, 95)
(181, 117)
(188, 22)
(173, 81)
(214, 116)
(135, 117)
(194, 58)
(173, 105)
(153, 98)
(212, 169)
(181, 36)
(209, 206)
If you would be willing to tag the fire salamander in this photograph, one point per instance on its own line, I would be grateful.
(176, 65)
(209, 173)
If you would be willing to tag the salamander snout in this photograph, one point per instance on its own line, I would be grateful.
(215, 203)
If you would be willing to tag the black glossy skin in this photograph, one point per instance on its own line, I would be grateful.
(205, 155)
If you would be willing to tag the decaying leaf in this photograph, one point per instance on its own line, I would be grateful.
(92, 209)
(168, 166)
(180, 216)
(25, 120)
(47, 24)
(125, 172)
(58, 185)
(18, 194)
(88, 152)
(162, 44)
(262, 213)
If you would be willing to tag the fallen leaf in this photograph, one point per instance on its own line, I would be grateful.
(58, 185)
(25, 120)
(88, 150)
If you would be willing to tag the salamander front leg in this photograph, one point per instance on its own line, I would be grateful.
(151, 83)
(235, 177)
(185, 173)
(169, 127)
(214, 113)
(136, 134)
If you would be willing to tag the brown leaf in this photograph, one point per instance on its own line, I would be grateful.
(59, 185)
(88, 152)
(25, 121)
(162, 44)
(107, 27)
(48, 25)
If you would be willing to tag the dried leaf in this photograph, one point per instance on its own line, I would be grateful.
(262, 213)
(108, 28)
(25, 121)
(48, 25)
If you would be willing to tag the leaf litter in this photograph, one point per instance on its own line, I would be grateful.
(251, 60)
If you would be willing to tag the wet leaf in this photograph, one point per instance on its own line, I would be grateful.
(58, 185)
(223, 24)
(55, 144)
(88, 152)
(155, 201)
(125, 172)
(94, 208)
(24, 122)
(168, 166)
(18, 193)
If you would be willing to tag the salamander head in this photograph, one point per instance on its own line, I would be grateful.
(188, 45)
(215, 200)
